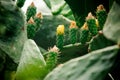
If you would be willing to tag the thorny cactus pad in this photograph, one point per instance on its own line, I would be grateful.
(91, 22)
(101, 16)
(60, 36)
(73, 32)
(38, 20)
(31, 28)
(31, 11)
(84, 33)
(11, 20)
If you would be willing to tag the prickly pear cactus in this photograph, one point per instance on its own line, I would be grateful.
(52, 58)
(60, 36)
(31, 62)
(12, 29)
(111, 28)
(38, 20)
(84, 33)
(11, 20)
(88, 67)
(99, 42)
(91, 23)
(73, 32)
(31, 28)
(31, 11)
(101, 16)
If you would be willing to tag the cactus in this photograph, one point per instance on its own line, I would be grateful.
(112, 31)
(11, 21)
(91, 22)
(52, 57)
(60, 36)
(31, 11)
(38, 19)
(20, 3)
(95, 42)
(101, 16)
(31, 62)
(72, 51)
(51, 61)
(88, 67)
(31, 28)
(73, 32)
(84, 34)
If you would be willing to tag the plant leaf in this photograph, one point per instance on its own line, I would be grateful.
(31, 62)
(60, 7)
(93, 66)
(111, 28)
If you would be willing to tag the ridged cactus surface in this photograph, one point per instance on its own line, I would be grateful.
(93, 66)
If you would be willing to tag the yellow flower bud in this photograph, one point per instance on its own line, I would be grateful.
(60, 29)
(97, 23)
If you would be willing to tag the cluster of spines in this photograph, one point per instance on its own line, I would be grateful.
(101, 16)
(73, 32)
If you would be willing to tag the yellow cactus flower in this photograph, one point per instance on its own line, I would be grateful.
(60, 29)
(84, 27)
(73, 24)
(97, 23)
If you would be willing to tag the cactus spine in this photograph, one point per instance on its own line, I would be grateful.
(31, 11)
(91, 22)
(101, 16)
(73, 32)
(60, 36)
(84, 34)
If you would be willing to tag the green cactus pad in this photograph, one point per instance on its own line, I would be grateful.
(111, 28)
(31, 11)
(60, 41)
(101, 16)
(12, 29)
(93, 66)
(11, 20)
(84, 36)
(37, 23)
(72, 51)
(31, 30)
(31, 62)
(99, 42)
(73, 35)
(92, 26)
